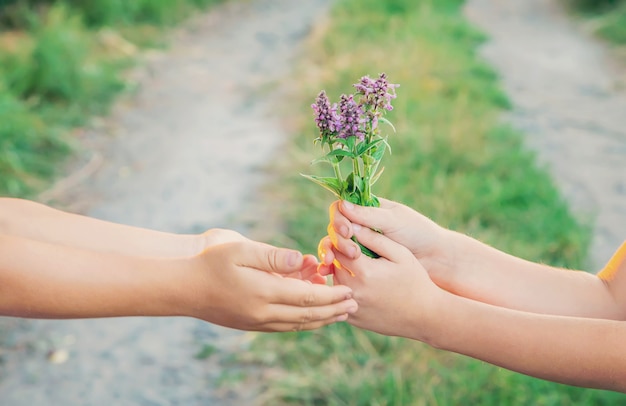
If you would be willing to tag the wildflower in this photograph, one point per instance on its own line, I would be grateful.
(326, 116)
(351, 134)
(376, 96)
(350, 118)
(376, 93)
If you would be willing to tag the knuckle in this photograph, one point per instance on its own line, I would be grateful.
(300, 326)
(272, 259)
(308, 316)
(309, 299)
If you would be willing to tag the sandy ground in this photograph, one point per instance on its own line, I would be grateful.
(187, 153)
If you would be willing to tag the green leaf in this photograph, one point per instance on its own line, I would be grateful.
(359, 183)
(340, 152)
(384, 120)
(352, 197)
(376, 176)
(354, 183)
(364, 147)
(350, 142)
(350, 182)
(378, 154)
(330, 183)
(323, 159)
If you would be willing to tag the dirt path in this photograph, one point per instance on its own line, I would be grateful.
(186, 154)
(569, 96)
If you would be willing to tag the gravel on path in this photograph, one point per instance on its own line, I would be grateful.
(185, 154)
(569, 96)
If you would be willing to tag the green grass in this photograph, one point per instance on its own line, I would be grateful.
(606, 17)
(62, 63)
(452, 159)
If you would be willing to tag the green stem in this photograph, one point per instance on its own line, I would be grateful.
(337, 170)
(335, 164)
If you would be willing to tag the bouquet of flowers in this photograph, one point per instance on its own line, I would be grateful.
(350, 133)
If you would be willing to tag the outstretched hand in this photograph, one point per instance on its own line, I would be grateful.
(307, 271)
(250, 285)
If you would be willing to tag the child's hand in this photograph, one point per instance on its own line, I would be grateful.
(423, 237)
(397, 221)
(216, 236)
(249, 285)
(394, 292)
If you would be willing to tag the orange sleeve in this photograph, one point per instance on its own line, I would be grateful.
(617, 261)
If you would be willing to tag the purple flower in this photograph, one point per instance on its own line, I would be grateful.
(350, 118)
(376, 94)
(326, 117)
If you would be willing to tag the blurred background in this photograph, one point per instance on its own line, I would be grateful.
(192, 114)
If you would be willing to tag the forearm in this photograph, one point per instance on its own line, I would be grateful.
(483, 273)
(35, 221)
(43, 280)
(574, 351)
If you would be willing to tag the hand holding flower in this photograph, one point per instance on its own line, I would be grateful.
(422, 236)
(395, 295)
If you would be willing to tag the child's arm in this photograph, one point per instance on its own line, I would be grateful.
(35, 221)
(233, 284)
(469, 268)
(397, 297)
(576, 351)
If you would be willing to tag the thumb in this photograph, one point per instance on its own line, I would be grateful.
(371, 217)
(268, 258)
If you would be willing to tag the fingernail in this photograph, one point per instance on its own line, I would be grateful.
(352, 251)
(343, 317)
(347, 205)
(356, 228)
(352, 309)
(292, 258)
(343, 230)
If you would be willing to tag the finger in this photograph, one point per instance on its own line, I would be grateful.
(346, 267)
(268, 258)
(325, 270)
(307, 318)
(309, 267)
(294, 292)
(338, 221)
(342, 244)
(309, 261)
(325, 251)
(377, 218)
(309, 270)
(293, 327)
(380, 244)
(341, 278)
(318, 279)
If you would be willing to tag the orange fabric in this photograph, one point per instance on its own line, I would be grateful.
(617, 261)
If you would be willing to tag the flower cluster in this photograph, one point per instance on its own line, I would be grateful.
(350, 132)
(326, 116)
(376, 95)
